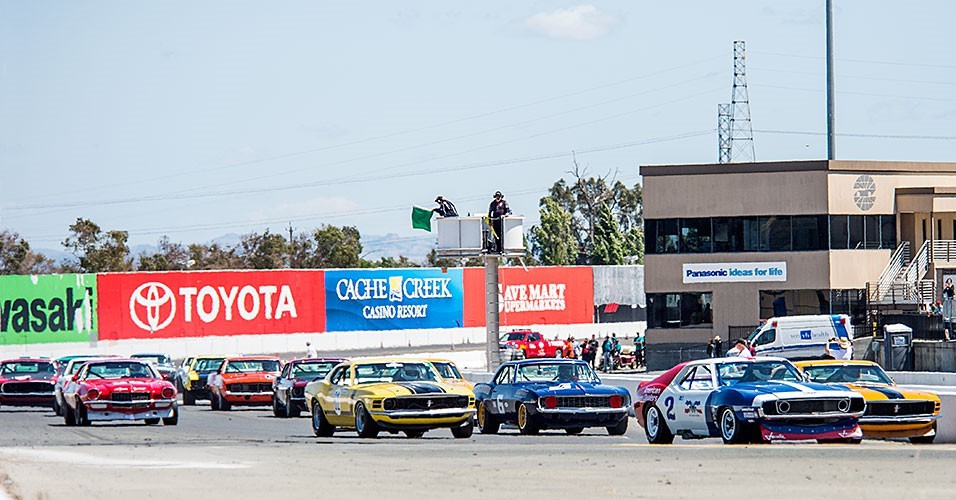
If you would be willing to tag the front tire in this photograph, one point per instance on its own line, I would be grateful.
(188, 398)
(151, 421)
(574, 431)
(487, 424)
(526, 423)
(655, 428)
(80, 416)
(276, 410)
(414, 434)
(224, 405)
(925, 439)
(364, 425)
(619, 429)
(320, 425)
(292, 410)
(464, 431)
(213, 402)
(174, 418)
(68, 417)
(732, 430)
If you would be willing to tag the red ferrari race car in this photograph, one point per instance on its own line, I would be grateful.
(243, 380)
(119, 389)
(27, 382)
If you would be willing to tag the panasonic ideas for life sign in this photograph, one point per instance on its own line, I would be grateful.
(735, 272)
(393, 299)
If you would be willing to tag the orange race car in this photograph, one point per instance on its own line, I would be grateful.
(244, 381)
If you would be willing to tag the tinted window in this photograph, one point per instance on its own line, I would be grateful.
(856, 241)
(839, 232)
(750, 234)
(888, 231)
(809, 232)
(650, 236)
(727, 235)
(674, 310)
(668, 236)
(871, 232)
(778, 233)
(695, 235)
(313, 370)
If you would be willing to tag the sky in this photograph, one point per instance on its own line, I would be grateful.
(197, 119)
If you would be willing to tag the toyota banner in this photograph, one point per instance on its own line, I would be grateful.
(393, 299)
(198, 304)
(47, 308)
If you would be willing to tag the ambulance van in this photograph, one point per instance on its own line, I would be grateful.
(800, 337)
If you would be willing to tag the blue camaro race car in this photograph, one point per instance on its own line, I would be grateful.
(550, 394)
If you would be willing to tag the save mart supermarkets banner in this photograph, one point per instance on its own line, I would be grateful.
(533, 296)
(47, 308)
(393, 299)
(204, 303)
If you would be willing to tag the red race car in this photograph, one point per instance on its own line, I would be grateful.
(526, 344)
(119, 389)
(243, 380)
(288, 399)
(27, 382)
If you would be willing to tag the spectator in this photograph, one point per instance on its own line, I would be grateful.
(496, 211)
(606, 349)
(839, 348)
(445, 208)
(593, 347)
(310, 351)
(740, 350)
(639, 349)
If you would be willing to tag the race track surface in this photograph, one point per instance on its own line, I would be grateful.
(247, 453)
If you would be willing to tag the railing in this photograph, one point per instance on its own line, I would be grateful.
(944, 251)
(920, 264)
(896, 264)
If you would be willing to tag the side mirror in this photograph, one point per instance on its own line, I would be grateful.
(75, 377)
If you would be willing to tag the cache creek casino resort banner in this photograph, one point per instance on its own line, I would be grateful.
(393, 299)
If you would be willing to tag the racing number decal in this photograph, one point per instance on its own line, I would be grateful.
(500, 405)
(669, 407)
(337, 401)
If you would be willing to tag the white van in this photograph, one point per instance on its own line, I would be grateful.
(800, 337)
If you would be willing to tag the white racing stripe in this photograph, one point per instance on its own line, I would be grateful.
(75, 458)
(799, 387)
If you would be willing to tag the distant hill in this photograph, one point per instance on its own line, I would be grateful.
(374, 247)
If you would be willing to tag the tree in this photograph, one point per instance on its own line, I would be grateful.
(17, 258)
(401, 261)
(433, 260)
(213, 256)
(329, 247)
(263, 251)
(171, 256)
(554, 241)
(608, 244)
(98, 251)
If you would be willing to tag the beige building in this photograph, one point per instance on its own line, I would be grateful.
(728, 245)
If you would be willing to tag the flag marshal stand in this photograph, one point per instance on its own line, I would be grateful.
(465, 237)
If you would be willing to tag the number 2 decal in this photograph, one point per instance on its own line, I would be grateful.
(669, 406)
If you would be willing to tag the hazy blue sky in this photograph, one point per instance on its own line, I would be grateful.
(195, 119)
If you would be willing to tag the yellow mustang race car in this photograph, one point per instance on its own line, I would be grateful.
(393, 395)
(449, 372)
(891, 412)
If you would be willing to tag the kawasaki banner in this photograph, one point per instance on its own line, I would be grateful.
(47, 308)
(393, 299)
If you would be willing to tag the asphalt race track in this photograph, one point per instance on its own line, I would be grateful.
(247, 453)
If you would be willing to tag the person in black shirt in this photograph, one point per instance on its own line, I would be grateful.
(445, 208)
(496, 211)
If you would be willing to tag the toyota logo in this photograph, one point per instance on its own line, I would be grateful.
(149, 299)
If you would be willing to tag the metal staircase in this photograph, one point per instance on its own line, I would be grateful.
(903, 279)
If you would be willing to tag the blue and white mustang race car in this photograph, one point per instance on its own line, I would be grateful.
(743, 401)
(540, 394)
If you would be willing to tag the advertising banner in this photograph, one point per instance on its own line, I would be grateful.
(393, 299)
(47, 308)
(533, 296)
(207, 303)
(735, 272)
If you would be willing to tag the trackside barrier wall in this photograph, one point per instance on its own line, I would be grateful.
(48, 309)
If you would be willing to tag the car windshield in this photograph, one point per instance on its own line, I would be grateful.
(735, 372)
(74, 365)
(18, 368)
(556, 372)
(847, 374)
(120, 369)
(394, 372)
(516, 336)
(159, 359)
(447, 370)
(253, 365)
(313, 369)
(207, 364)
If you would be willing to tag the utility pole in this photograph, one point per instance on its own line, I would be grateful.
(831, 141)
(291, 250)
(724, 149)
(741, 129)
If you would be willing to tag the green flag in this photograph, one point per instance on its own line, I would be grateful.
(421, 218)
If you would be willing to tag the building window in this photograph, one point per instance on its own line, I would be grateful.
(839, 232)
(871, 233)
(888, 231)
(810, 232)
(856, 232)
(677, 310)
(695, 236)
(777, 231)
(777, 303)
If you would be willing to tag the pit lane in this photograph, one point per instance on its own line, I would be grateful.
(248, 453)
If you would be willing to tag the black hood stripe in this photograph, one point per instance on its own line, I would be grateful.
(422, 387)
(888, 392)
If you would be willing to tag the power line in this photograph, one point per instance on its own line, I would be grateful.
(868, 94)
(867, 61)
(867, 136)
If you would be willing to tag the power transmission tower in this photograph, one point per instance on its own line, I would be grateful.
(741, 130)
(723, 133)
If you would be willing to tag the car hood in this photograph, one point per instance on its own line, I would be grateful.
(572, 389)
(780, 387)
(392, 389)
(879, 392)
(128, 384)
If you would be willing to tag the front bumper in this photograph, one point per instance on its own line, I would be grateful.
(132, 410)
(580, 417)
(422, 419)
(247, 398)
(783, 431)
